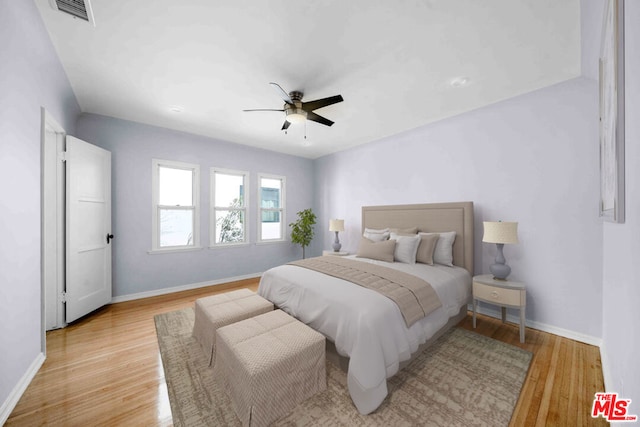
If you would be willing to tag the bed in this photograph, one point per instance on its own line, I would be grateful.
(367, 329)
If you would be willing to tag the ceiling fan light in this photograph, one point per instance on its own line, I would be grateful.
(296, 115)
(295, 118)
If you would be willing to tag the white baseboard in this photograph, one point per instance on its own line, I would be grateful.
(577, 336)
(606, 370)
(171, 290)
(12, 400)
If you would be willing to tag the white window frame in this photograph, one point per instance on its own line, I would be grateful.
(282, 208)
(156, 207)
(213, 208)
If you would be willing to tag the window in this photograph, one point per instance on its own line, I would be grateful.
(272, 203)
(229, 200)
(176, 210)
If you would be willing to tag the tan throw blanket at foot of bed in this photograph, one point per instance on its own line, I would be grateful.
(415, 297)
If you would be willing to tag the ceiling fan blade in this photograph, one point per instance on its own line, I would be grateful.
(263, 109)
(284, 95)
(317, 118)
(319, 103)
(285, 125)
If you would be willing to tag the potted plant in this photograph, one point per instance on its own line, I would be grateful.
(302, 230)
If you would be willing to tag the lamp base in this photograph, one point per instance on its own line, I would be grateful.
(336, 244)
(500, 271)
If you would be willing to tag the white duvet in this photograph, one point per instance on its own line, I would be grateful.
(365, 325)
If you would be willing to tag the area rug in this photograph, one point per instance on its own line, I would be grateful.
(464, 379)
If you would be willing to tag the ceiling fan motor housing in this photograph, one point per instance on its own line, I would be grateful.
(296, 96)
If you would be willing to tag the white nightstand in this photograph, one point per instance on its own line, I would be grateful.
(332, 252)
(504, 293)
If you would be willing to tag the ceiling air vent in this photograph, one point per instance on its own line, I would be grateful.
(77, 8)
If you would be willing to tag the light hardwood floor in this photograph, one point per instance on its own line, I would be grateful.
(106, 370)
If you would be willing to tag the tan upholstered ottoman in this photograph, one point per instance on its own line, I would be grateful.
(220, 310)
(269, 364)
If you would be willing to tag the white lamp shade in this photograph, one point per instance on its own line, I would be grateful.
(500, 232)
(336, 225)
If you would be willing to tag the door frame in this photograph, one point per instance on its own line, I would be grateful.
(52, 234)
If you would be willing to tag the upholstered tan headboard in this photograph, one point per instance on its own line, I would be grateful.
(430, 217)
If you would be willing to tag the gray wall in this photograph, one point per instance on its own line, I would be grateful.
(531, 159)
(621, 283)
(31, 77)
(133, 145)
(621, 245)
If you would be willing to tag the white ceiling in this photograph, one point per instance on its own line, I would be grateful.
(391, 60)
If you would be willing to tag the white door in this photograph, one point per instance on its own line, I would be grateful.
(88, 228)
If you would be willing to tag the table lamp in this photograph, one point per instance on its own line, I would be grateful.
(336, 225)
(500, 233)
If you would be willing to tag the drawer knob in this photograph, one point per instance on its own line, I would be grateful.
(494, 294)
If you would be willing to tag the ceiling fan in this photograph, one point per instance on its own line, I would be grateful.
(297, 111)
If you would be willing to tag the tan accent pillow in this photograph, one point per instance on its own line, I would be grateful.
(443, 253)
(426, 248)
(382, 251)
(401, 231)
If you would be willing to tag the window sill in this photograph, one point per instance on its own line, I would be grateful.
(269, 242)
(229, 245)
(174, 250)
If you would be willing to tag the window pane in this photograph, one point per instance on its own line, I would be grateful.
(270, 224)
(229, 226)
(229, 190)
(271, 216)
(270, 193)
(176, 227)
(271, 183)
(175, 186)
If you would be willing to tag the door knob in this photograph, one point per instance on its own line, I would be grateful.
(109, 237)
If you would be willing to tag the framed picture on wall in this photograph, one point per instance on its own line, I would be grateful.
(611, 80)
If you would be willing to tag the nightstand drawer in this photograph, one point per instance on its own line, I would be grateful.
(497, 295)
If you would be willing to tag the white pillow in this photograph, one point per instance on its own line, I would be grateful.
(376, 235)
(406, 248)
(443, 253)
